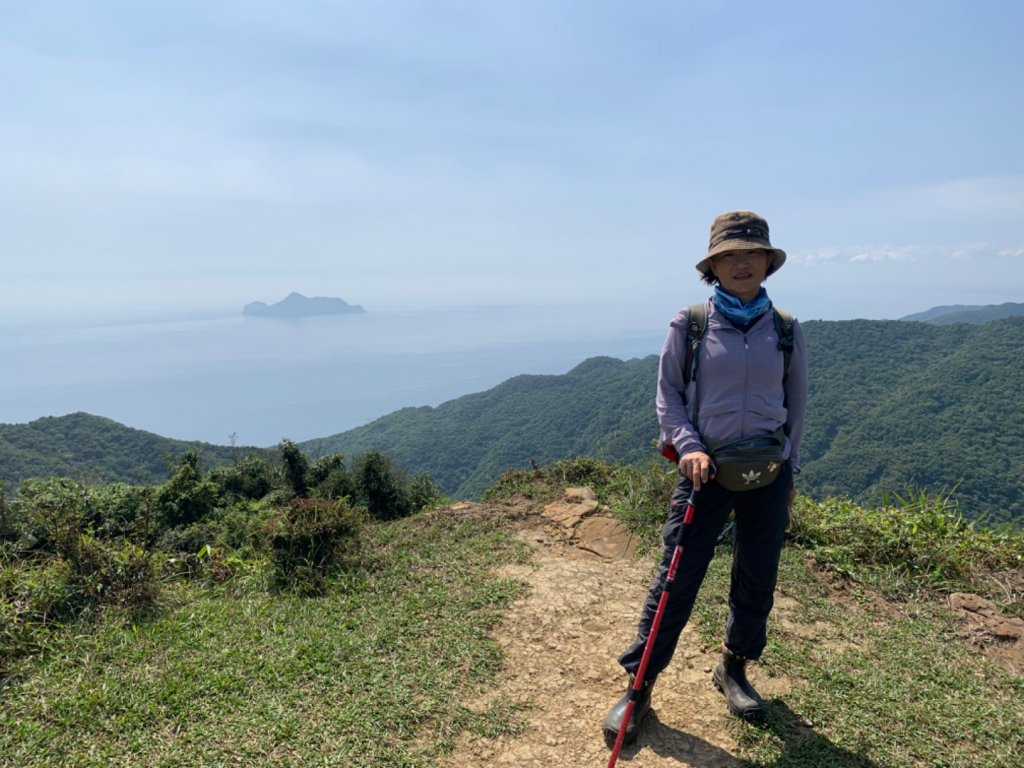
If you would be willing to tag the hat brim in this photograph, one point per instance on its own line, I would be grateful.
(778, 255)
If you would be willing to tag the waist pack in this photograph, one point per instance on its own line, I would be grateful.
(748, 463)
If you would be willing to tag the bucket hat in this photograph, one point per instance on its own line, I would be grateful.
(740, 231)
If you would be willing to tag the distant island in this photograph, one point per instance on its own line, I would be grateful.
(297, 305)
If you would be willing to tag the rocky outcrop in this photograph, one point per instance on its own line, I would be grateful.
(981, 623)
(587, 523)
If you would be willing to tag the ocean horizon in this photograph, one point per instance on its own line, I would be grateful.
(227, 378)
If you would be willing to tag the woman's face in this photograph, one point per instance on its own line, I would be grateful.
(741, 272)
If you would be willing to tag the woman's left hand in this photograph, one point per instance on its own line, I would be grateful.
(792, 496)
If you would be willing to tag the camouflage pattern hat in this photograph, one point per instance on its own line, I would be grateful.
(740, 231)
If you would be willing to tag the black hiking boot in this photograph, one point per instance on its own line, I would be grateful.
(730, 678)
(613, 720)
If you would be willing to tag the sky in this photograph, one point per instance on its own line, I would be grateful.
(183, 156)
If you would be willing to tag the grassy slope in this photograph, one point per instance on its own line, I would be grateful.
(883, 685)
(377, 672)
(374, 674)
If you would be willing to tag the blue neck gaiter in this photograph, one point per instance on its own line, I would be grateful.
(738, 312)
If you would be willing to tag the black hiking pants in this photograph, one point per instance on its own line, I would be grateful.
(762, 516)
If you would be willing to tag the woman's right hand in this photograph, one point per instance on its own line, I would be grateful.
(697, 467)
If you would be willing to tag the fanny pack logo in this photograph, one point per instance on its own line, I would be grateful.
(750, 477)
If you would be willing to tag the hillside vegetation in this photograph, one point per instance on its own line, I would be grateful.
(96, 449)
(602, 408)
(251, 616)
(893, 407)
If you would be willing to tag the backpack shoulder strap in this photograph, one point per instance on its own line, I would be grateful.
(784, 330)
(696, 327)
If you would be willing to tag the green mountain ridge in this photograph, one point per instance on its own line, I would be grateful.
(895, 407)
(96, 449)
(962, 313)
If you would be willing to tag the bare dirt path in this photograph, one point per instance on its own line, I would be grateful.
(561, 642)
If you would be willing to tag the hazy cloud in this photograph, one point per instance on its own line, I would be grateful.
(886, 253)
(874, 254)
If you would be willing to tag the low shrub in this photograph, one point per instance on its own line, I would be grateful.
(53, 512)
(10, 529)
(113, 573)
(250, 478)
(187, 497)
(33, 596)
(189, 539)
(241, 526)
(41, 593)
(309, 538)
(296, 467)
(382, 487)
(120, 510)
(424, 493)
(331, 478)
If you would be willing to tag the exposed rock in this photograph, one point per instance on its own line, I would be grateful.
(1009, 629)
(607, 537)
(965, 601)
(576, 504)
(999, 637)
(578, 515)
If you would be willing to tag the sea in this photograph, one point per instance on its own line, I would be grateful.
(253, 381)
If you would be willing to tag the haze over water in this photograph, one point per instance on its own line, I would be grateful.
(258, 380)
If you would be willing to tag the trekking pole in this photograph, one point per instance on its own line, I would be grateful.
(670, 579)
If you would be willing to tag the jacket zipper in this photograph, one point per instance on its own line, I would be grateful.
(746, 384)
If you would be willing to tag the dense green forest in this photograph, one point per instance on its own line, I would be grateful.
(894, 406)
(96, 449)
(602, 408)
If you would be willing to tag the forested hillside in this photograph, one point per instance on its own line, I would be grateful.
(601, 408)
(94, 449)
(893, 406)
(950, 414)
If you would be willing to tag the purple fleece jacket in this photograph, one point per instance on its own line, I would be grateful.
(740, 380)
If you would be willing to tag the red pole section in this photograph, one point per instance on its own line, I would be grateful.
(638, 680)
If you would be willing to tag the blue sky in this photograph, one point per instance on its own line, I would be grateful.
(181, 156)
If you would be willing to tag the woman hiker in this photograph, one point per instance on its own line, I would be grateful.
(743, 383)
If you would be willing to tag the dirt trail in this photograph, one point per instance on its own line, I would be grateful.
(561, 643)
